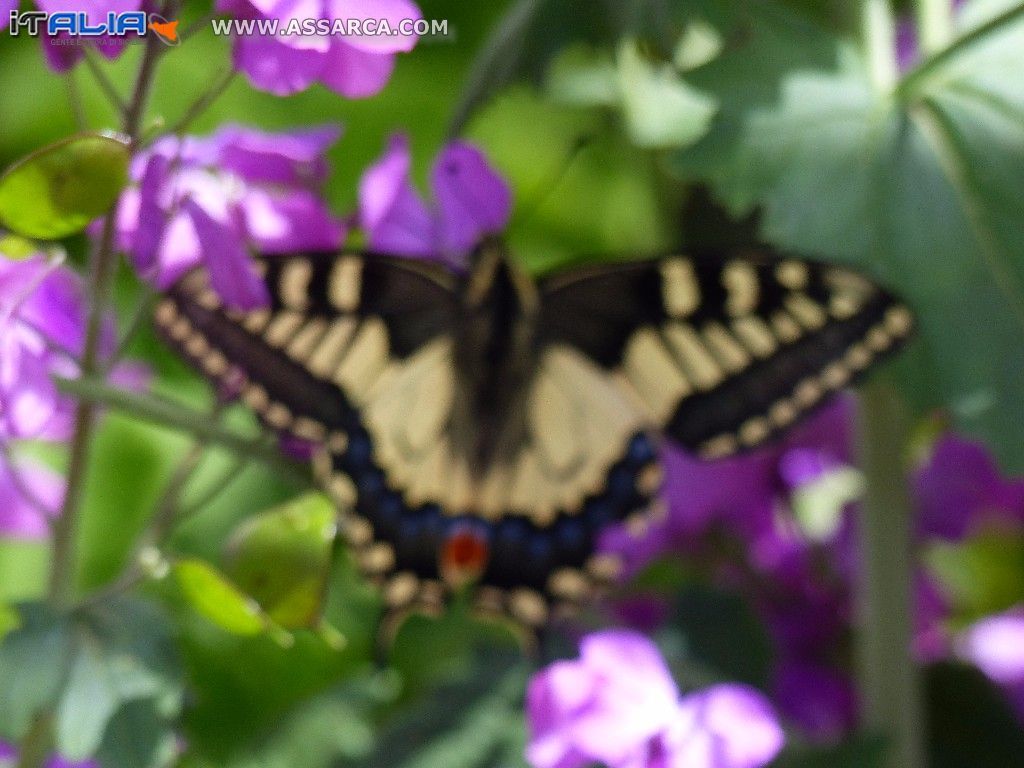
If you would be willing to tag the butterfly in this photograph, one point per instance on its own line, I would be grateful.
(483, 428)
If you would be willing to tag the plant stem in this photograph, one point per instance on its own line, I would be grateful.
(101, 274)
(878, 29)
(64, 527)
(934, 24)
(889, 681)
(144, 82)
(176, 416)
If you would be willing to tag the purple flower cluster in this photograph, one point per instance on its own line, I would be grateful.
(736, 518)
(356, 66)
(42, 322)
(470, 201)
(215, 200)
(618, 705)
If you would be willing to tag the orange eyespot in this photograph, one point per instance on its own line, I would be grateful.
(464, 556)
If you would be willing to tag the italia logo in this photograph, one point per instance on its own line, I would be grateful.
(79, 24)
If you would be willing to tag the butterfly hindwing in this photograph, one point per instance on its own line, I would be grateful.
(725, 351)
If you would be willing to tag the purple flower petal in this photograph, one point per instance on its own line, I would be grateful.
(725, 726)
(30, 496)
(354, 73)
(472, 197)
(265, 158)
(180, 251)
(292, 221)
(6, 6)
(28, 396)
(959, 486)
(151, 218)
(393, 11)
(231, 270)
(395, 217)
(996, 646)
(818, 699)
(272, 66)
(61, 51)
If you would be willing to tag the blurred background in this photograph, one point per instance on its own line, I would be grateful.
(624, 129)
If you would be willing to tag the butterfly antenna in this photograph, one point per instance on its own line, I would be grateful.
(547, 186)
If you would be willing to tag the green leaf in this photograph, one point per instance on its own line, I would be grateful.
(34, 663)
(660, 109)
(123, 654)
(282, 558)
(16, 248)
(970, 722)
(138, 737)
(57, 190)
(923, 189)
(983, 575)
(213, 596)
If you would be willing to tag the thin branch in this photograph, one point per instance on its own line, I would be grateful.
(139, 316)
(20, 484)
(197, 26)
(104, 82)
(204, 101)
(64, 528)
(75, 101)
(215, 488)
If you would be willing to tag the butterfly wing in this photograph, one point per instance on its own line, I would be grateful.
(724, 351)
(356, 354)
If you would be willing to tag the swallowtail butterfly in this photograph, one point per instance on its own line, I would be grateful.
(485, 427)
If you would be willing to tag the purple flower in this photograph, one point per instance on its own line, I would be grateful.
(9, 753)
(819, 698)
(996, 645)
(63, 51)
(959, 487)
(215, 200)
(30, 497)
(356, 66)
(6, 6)
(618, 705)
(471, 200)
(42, 321)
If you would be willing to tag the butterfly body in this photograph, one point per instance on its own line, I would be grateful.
(486, 428)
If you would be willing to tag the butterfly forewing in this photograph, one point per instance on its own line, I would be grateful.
(725, 351)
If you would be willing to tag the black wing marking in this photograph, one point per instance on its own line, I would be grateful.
(725, 351)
